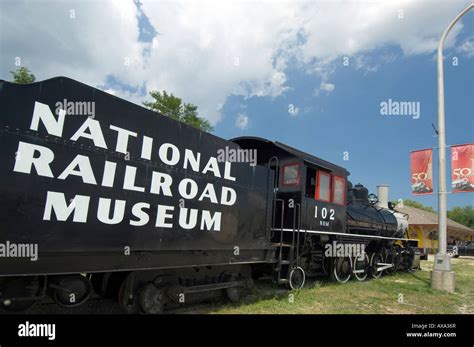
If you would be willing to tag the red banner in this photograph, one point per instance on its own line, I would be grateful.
(421, 169)
(462, 168)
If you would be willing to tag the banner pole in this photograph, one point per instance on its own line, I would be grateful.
(442, 277)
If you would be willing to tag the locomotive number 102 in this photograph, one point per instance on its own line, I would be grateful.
(324, 213)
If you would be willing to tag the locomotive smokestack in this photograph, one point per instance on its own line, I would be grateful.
(382, 193)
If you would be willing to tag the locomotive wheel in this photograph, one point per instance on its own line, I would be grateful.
(152, 299)
(97, 281)
(361, 265)
(374, 259)
(297, 278)
(326, 265)
(389, 260)
(126, 295)
(107, 285)
(394, 260)
(16, 288)
(232, 293)
(16, 306)
(342, 269)
(71, 291)
(249, 283)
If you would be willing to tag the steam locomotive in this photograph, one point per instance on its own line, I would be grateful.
(99, 194)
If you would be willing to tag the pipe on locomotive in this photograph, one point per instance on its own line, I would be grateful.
(382, 195)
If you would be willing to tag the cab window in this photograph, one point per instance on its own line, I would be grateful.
(323, 186)
(291, 174)
(338, 190)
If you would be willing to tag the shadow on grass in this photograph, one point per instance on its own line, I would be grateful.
(264, 289)
(416, 274)
(468, 258)
(419, 278)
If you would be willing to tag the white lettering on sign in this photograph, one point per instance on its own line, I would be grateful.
(157, 181)
(43, 113)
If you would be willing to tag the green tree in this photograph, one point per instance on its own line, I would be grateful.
(173, 107)
(23, 75)
(463, 215)
(416, 204)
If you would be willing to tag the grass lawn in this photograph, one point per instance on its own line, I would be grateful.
(397, 293)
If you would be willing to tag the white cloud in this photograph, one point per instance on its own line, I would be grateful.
(325, 87)
(209, 50)
(94, 44)
(467, 47)
(242, 121)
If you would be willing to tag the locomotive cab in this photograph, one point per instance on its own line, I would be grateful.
(310, 193)
(309, 208)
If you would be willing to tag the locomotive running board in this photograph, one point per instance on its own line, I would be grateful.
(346, 234)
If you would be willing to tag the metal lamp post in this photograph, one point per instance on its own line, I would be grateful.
(442, 277)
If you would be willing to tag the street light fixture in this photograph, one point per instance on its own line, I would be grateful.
(442, 277)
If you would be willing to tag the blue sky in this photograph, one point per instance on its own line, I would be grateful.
(246, 63)
(348, 118)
